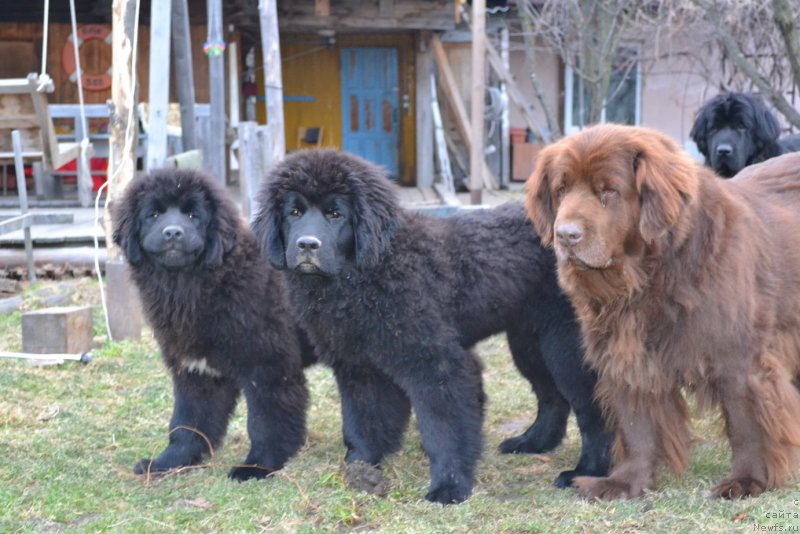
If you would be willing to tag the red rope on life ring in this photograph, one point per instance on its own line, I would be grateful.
(87, 32)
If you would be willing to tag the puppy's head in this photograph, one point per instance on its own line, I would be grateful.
(175, 219)
(323, 211)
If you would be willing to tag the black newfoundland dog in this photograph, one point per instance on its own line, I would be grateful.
(734, 130)
(394, 300)
(221, 318)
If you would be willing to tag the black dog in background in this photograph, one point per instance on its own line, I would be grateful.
(734, 130)
(394, 300)
(221, 318)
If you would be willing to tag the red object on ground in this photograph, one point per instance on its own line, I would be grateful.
(96, 164)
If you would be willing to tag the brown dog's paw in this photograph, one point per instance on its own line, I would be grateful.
(738, 488)
(365, 477)
(604, 489)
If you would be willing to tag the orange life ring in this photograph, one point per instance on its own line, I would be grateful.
(88, 32)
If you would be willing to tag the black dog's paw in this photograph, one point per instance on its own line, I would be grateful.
(565, 478)
(363, 476)
(531, 443)
(241, 473)
(148, 466)
(449, 493)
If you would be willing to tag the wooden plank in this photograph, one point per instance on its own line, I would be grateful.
(456, 104)
(184, 71)
(441, 148)
(505, 139)
(22, 192)
(124, 309)
(253, 141)
(214, 157)
(273, 83)
(322, 8)
(476, 160)
(158, 92)
(424, 116)
(385, 9)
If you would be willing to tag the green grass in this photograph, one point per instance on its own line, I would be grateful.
(70, 434)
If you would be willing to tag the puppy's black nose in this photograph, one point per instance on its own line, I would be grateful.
(172, 232)
(724, 149)
(308, 242)
(569, 234)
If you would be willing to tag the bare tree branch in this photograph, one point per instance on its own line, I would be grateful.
(736, 55)
(784, 20)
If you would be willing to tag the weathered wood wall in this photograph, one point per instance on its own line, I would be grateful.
(20, 50)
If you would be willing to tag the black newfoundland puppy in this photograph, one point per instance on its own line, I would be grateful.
(734, 130)
(394, 300)
(221, 318)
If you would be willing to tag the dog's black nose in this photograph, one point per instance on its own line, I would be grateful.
(172, 232)
(308, 242)
(724, 149)
(569, 234)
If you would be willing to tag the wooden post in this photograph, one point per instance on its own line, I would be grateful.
(424, 60)
(22, 192)
(505, 141)
(253, 146)
(476, 160)
(184, 71)
(124, 309)
(234, 87)
(158, 92)
(214, 161)
(273, 82)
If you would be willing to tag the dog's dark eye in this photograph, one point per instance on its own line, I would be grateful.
(607, 195)
(740, 126)
(334, 213)
(295, 212)
(560, 192)
(190, 215)
(155, 214)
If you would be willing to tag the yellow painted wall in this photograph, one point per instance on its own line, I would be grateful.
(311, 69)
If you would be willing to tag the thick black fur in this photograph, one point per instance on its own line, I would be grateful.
(221, 317)
(394, 300)
(734, 130)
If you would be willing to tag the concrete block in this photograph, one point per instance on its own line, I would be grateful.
(64, 330)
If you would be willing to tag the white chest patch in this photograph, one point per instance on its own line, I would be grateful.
(201, 367)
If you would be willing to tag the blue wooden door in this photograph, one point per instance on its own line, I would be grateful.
(370, 125)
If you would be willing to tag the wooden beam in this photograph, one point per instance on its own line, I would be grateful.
(505, 141)
(322, 8)
(385, 9)
(456, 104)
(184, 71)
(273, 81)
(158, 92)
(424, 137)
(214, 156)
(124, 308)
(476, 160)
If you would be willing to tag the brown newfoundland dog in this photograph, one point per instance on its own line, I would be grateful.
(680, 280)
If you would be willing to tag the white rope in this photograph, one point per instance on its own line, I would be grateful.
(44, 36)
(129, 135)
(44, 82)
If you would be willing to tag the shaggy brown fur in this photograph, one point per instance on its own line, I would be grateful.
(680, 280)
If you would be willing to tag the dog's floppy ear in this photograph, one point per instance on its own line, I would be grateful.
(539, 200)
(766, 128)
(666, 182)
(126, 225)
(699, 131)
(376, 219)
(221, 239)
(266, 225)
